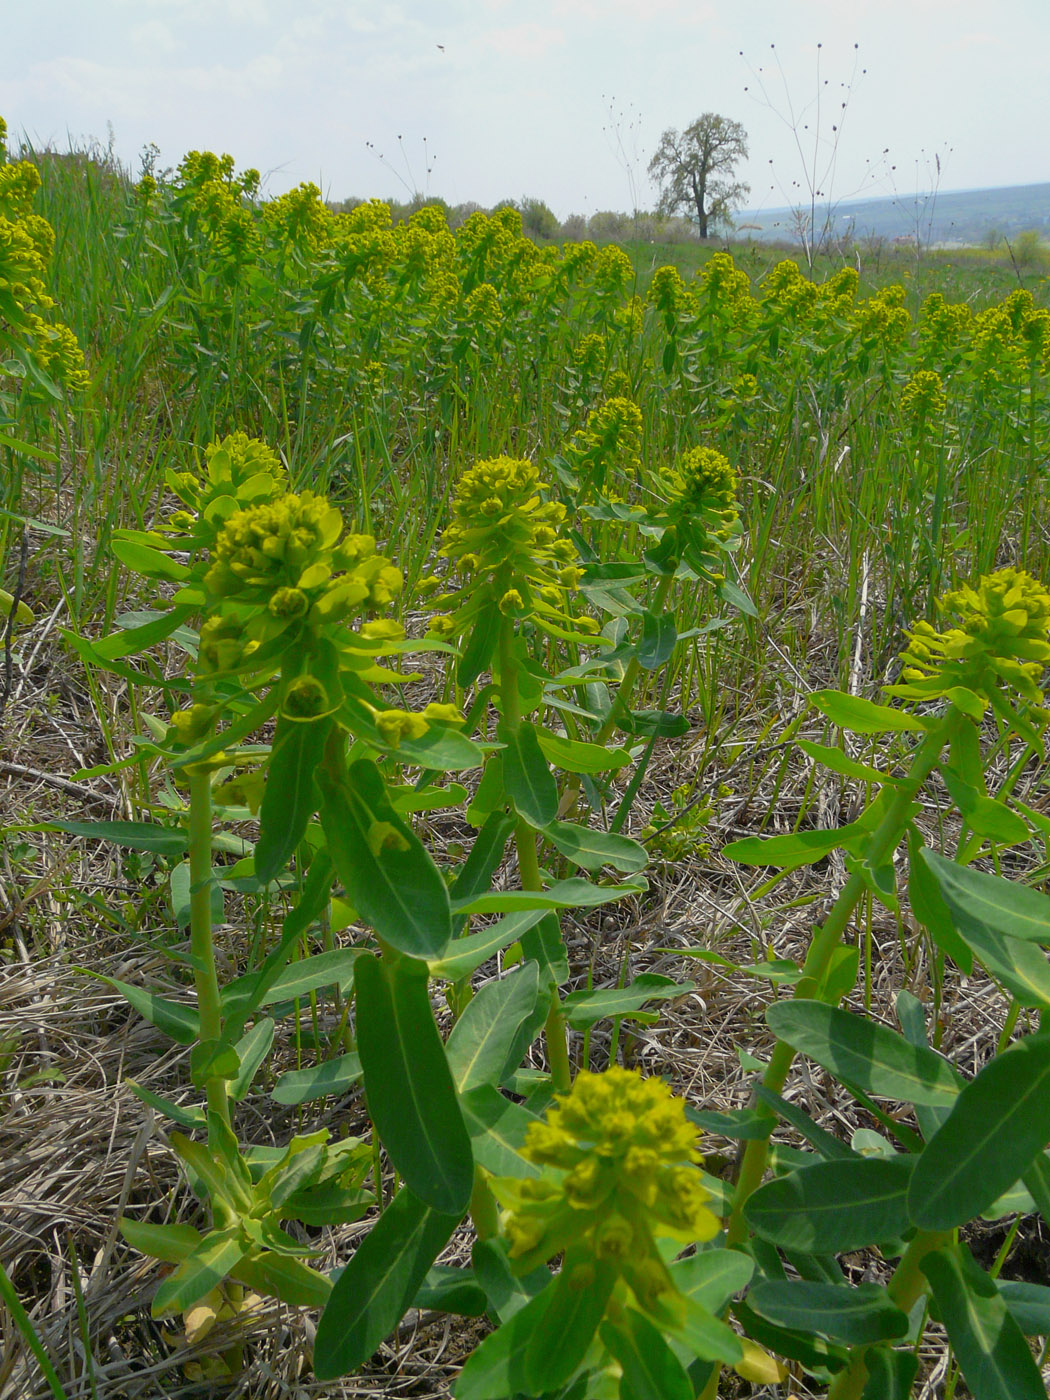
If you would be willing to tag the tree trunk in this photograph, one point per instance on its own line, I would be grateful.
(699, 200)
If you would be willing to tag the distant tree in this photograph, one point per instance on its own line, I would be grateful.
(695, 169)
(537, 218)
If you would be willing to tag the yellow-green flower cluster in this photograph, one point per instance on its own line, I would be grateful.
(26, 242)
(611, 441)
(284, 554)
(703, 483)
(239, 471)
(923, 397)
(1002, 641)
(505, 543)
(726, 288)
(299, 217)
(786, 294)
(619, 1158)
(943, 325)
(884, 315)
(483, 308)
(669, 296)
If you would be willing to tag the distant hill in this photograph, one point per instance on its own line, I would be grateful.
(953, 217)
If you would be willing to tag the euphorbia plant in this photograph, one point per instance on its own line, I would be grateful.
(910, 1203)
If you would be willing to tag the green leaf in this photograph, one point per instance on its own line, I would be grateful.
(579, 1296)
(332, 969)
(891, 1374)
(861, 716)
(496, 1369)
(387, 872)
(465, 954)
(814, 1353)
(857, 1315)
(591, 849)
(1000, 1122)
(651, 1371)
(986, 816)
(658, 639)
(859, 1052)
(486, 854)
(482, 1038)
(574, 756)
(169, 1243)
(712, 1276)
(829, 1147)
(127, 641)
(505, 1291)
(450, 1289)
(372, 1293)
(187, 1117)
(284, 1277)
(929, 907)
(841, 763)
(1029, 1305)
(181, 1023)
(252, 1050)
(213, 1059)
(411, 1096)
(735, 596)
(991, 901)
(151, 563)
(137, 836)
(743, 1124)
(200, 1272)
(497, 1128)
(834, 1207)
(584, 1009)
(527, 778)
(798, 848)
(482, 643)
(561, 894)
(334, 1076)
(988, 1344)
(290, 795)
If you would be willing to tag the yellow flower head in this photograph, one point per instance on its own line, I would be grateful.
(622, 1157)
(1002, 641)
(923, 396)
(505, 542)
(703, 482)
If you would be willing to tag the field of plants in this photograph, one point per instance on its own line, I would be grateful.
(523, 815)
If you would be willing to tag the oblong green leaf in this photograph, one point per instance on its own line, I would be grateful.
(856, 1315)
(575, 756)
(798, 848)
(862, 716)
(463, 955)
(298, 979)
(839, 762)
(388, 874)
(151, 563)
(561, 894)
(999, 1124)
(334, 1076)
(990, 1347)
(411, 1095)
(481, 1039)
(200, 1272)
(180, 1022)
(577, 1305)
(496, 1369)
(591, 849)
(137, 836)
(528, 780)
(284, 1277)
(834, 1207)
(711, 1276)
(651, 1371)
(891, 1373)
(585, 1008)
(497, 1128)
(859, 1052)
(290, 795)
(990, 900)
(372, 1293)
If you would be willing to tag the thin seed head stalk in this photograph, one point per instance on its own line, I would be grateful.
(1001, 645)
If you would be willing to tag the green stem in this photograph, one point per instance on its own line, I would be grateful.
(905, 1287)
(483, 1208)
(882, 843)
(202, 947)
(555, 1030)
(622, 700)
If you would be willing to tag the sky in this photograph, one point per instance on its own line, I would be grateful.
(561, 100)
